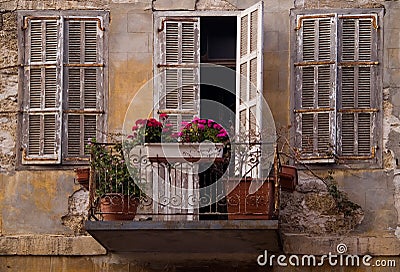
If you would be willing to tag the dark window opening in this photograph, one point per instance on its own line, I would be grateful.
(217, 94)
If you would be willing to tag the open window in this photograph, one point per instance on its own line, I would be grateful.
(183, 41)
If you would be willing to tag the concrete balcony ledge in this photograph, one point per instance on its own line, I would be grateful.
(208, 236)
(49, 245)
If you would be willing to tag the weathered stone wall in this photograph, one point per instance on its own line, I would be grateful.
(49, 203)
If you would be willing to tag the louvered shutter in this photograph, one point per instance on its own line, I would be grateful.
(84, 74)
(249, 83)
(178, 69)
(41, 125)
(357, 105)
(315, 91)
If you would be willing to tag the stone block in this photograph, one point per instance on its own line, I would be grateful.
(277, 21)
(108, 265)
(216, 5)
(271, 41)
(71, 264)
(126, 6)
(129, 43)
(393, 58)
(286, 5)
(49, 245)
(392, 78)
(271, 80)
(378, 199)
(118, 62)
(284, 41)
(118, 23)
(26, 263)
(140, 22)
(271, 6)
(174, 4)
(391, 18)
(392, 38)
(244, 4)
(283, 77)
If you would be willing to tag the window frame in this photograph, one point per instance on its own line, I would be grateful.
(103, 21)
(335, 162)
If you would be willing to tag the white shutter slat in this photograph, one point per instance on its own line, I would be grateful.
(307, 133)
(324, 134)
(364, 133)
(90, 129)
(188, 42)
(36, 44)
(244, 35)
(172, 42)
(171, 88)
(74, 88)
(347, 134)
(50, 95)
(35, 88)
(364, 87)
(50, 131)
(308, 40)
(249, 84)
(315, 98)
(74, 41)
(74, 135)
(90, 88)
(348, 40)
(324, 87)
(51, 41)
(356, 46)
(324, 39)
(41, 117)
(90, 41)
(365, 40)
(188, 89)
(34, 135)
(347, 87)
(307, 90)
(179, 65)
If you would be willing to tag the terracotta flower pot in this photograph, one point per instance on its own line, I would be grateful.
(258, 205)
(288, 178)
(82, 176)
(116, 207)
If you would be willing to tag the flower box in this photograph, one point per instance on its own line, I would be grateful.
(184, 152)
(258, 205)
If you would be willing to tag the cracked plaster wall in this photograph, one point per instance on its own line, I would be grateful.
(377, 191)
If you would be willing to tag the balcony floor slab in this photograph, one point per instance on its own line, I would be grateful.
(208, 236)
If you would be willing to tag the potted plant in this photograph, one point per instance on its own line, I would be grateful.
(82, 176)
(200, 140)
(118, 195)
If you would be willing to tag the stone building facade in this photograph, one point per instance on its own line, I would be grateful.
(42, 210)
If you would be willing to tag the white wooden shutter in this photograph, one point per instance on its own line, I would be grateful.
(41, 141)
(315, 93)
(249, 85)
(178, 68)
(84, 82)
(357, 104)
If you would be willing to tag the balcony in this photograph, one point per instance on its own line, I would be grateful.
(183, 206)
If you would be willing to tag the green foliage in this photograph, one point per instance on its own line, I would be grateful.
(344, 205)
(111, 174)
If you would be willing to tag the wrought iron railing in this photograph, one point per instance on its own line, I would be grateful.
(159, 189)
